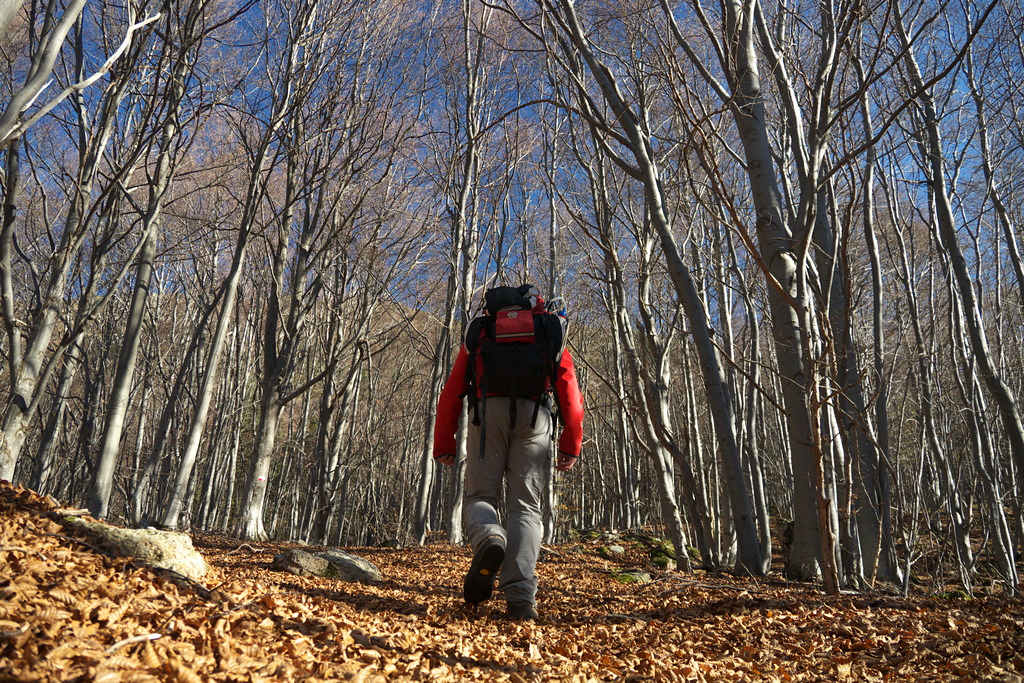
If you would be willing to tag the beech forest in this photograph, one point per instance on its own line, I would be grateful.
(242, 241)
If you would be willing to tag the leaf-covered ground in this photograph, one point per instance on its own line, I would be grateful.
(68, 613)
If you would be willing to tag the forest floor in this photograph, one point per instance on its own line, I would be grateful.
(68, 613)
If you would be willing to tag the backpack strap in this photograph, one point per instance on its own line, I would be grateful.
(477, 327)
(540, 330)
(551, 335)
(476, 387)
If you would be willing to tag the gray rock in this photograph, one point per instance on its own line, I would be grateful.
(348, 567)
(331, 564)
(632, 576)
(610, 551)
(663, 562)
(171, 550)
(300, 563)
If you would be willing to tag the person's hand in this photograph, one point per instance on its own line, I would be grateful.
(565, 462)
(446, 459)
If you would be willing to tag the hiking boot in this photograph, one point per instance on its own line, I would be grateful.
(522, 611)
(483, 571)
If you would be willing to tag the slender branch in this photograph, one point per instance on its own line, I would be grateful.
(18, 127)
(130, 641)
(14, 548)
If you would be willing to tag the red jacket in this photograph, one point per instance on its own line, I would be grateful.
(449, 407)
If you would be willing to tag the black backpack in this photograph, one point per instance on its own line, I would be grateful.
(514, 350)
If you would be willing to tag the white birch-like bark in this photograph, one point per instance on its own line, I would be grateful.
(8, 10)
(276, 355)
(751, 426)
(54, 33)
(461, 197)
(254, 191)
(464, 214)
(932, 443)
(142, 497)
(646, 382)
(44, 465)
(551, 292)
(880, 554)
(429, 481)
(646, 171)
(117, 403)
(207, 385)
(994, 189)
(625, 504)
(294, 72)
(335, 409)
(985, 458)
(781, 254)
(30, 371)
(1002, 393)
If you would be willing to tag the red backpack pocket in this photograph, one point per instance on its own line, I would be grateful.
(513, 327)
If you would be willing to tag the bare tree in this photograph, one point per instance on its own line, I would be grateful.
(470, 100)
(946, 229)
(258, 133)
(31, 364)
(15, 117)
(183, 33)
(635, 137)
(344, 188)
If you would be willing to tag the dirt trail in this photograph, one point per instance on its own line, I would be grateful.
(68, 613)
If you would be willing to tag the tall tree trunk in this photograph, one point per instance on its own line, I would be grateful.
(864, 526)
(142, 496)
(30, 372)
(932, 444)
(98, 498)
(985, 460)
(790, 310)
(650, 401)
(752, 441)
(48, 48)
(993, 189)
(42, 469)
(625, 451)
(205, 390)
(646, 393)
(715, 384)
(464, 215)
(884, 563)
(551, 520)
(117, 405)
(275, 361)
(1001, 392)
(336, 417)
(430, 480)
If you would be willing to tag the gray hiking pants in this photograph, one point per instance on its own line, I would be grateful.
(519, 456)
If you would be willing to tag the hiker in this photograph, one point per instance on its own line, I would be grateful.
(518, 375)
